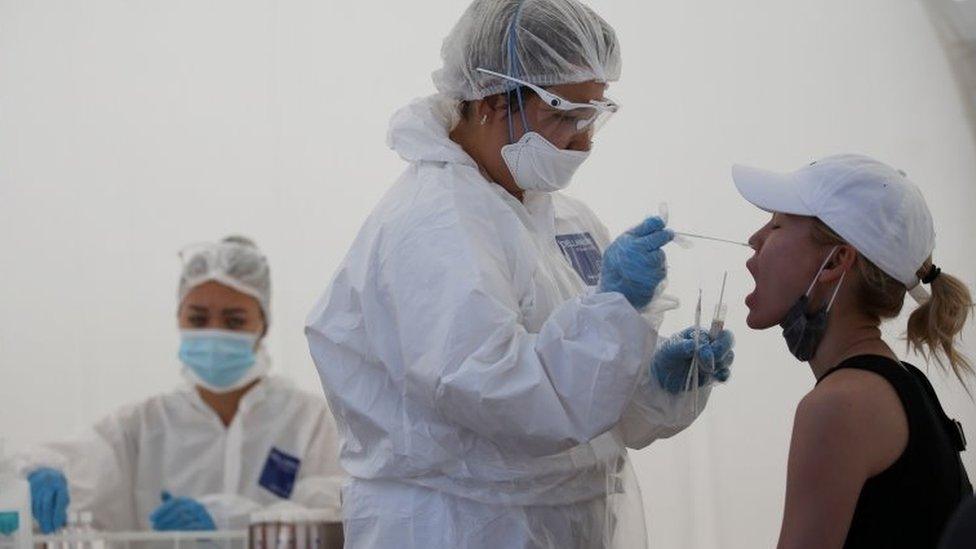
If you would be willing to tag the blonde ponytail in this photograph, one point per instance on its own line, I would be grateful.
(934, 325)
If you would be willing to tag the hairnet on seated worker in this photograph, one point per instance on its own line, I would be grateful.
(235, 262)
(544, 42)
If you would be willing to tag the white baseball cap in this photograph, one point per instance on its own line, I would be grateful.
(871, 205)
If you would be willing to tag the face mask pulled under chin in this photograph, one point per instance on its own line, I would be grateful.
(538, 165)
(804, 331)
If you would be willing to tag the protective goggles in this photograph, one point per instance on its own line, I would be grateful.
(570, 116)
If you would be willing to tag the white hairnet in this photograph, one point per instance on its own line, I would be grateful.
(236, 262)
(544, 42)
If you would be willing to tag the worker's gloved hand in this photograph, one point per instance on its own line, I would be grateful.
(49, 498)
(634, 264)
(181, 514)
(671, 364)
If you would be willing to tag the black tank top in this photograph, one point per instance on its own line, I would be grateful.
(908, 504)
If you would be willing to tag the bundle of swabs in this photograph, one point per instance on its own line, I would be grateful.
(718, 324)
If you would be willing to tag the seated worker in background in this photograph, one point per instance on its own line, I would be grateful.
(205, 456)
(874, 461)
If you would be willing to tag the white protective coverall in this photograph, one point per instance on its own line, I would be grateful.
(485, 394)
(282, 444)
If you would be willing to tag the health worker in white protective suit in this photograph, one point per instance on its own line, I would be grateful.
(232, 441)
(489, 355)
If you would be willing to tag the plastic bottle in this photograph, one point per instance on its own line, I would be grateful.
(86, 526)
(69, 531)
(15, 518)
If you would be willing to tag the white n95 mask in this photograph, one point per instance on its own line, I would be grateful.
(538, 165)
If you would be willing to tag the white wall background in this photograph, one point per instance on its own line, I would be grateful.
(128, 129)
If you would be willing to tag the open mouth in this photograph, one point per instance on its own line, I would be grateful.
(753, 296)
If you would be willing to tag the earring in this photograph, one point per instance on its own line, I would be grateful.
(484, 120)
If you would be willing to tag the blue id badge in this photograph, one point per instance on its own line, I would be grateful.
(278, 475)
(583, 254)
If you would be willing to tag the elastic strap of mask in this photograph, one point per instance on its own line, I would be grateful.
(822, 267)
(515, 69)
(836, 291)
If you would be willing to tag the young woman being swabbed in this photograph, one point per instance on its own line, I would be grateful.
(874, 461)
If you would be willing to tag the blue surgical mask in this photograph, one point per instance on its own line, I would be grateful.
(802, 330)
(218, 358)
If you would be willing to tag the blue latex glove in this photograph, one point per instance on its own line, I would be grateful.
(49, 499)
(634, 264)
(181, 514)
(672, 362)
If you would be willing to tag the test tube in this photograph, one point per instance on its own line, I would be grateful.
(301, 535)
(718, 320)
(691, 382)
(256, 539)
(271, 533)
